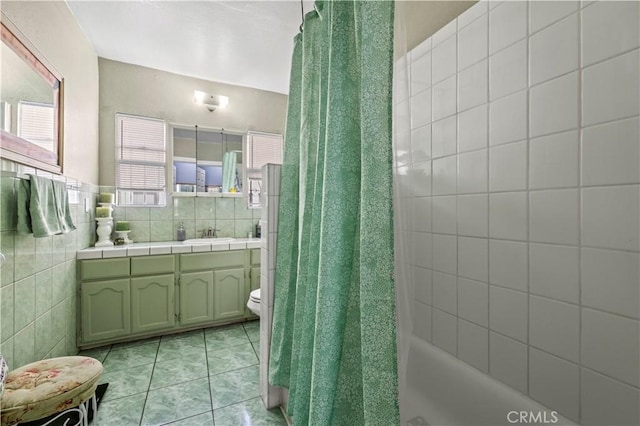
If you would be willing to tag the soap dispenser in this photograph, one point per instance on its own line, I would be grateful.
(182, 233)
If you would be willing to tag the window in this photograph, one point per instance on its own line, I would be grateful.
(140, 161)
(35, 123)
(263, 148)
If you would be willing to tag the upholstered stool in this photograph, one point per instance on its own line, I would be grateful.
(50, 386)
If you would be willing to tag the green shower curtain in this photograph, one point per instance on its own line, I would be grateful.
(333, 337)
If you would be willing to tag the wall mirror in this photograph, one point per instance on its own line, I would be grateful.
(30, 104)
(206, 162)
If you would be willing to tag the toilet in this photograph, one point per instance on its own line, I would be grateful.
(254, 302)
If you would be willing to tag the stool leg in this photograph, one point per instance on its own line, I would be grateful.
(94, 404)
(81, 414)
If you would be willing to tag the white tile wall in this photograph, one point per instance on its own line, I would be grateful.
(445, 331)
(472, 129)
(508, 119)
(508, 312)
(608, 402)
(472, 86)
(610, 281)
(472, 42)
(610, 89)
(508, 264)
(543, 13)
(553, 161)
(508, 167)
(554, 271)
(554, 50)
(608, 29)
(271, 396)
(610, 153)
(555, 327)
(507, 24)
(445, 293)
(444, 214)
(472, 172)
(554, 382)
(610, 345)
(473, 254)
(473, 344)
(525, 226)
(508, 361)
(508, 70)
(443, 141)
(473, 301)
(473, 215)
(554, 105)
(444, 98)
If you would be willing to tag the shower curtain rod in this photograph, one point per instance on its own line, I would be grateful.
(302, 13)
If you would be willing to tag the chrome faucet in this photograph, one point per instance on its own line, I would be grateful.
(209, 233)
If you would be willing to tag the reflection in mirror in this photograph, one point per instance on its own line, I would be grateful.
(201, 157)
(29, 106)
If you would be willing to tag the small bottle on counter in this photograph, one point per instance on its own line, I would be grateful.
(182, 233)
(258, 230)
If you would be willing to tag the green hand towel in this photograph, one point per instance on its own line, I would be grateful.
(43, 209)
(62, 206)
(24, 197)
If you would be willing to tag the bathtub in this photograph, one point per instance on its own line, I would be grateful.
(442, 390)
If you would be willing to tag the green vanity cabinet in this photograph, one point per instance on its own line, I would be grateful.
(152, 303)
(105, 307)
(212, 286)
(228, 293)
(196, 295)
(126, 298)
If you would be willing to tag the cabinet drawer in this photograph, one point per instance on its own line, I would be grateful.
(153, 265)
(202, 261)
(255, 256)
(104, 268)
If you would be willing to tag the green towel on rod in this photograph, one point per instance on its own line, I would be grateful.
(63, 211)
(43, 207)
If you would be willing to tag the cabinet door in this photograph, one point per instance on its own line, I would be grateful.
(255, 278)
(152, 303)
(229, 293)
(105, 309)
(196, 297)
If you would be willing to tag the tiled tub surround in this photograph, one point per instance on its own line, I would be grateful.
(272, 396)
(522, 172)
(38, 281)
(203, 377)
(230, 215)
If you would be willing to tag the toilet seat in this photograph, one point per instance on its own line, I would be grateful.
(254, 302)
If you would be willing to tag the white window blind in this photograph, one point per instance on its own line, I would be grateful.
(264, 148)
(35, 123)
(140, 160)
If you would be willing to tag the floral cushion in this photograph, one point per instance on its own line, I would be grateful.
(47, 387)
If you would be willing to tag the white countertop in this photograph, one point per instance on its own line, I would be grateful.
(166, 247)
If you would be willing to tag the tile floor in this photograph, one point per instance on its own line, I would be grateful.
(197, 378)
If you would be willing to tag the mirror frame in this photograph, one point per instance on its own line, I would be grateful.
(13, 147)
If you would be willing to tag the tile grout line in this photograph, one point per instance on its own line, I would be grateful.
(206, 357)
(146, 397)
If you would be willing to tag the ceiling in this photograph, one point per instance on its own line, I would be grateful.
(246, 43)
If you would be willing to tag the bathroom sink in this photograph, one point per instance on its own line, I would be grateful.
(208, 240)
